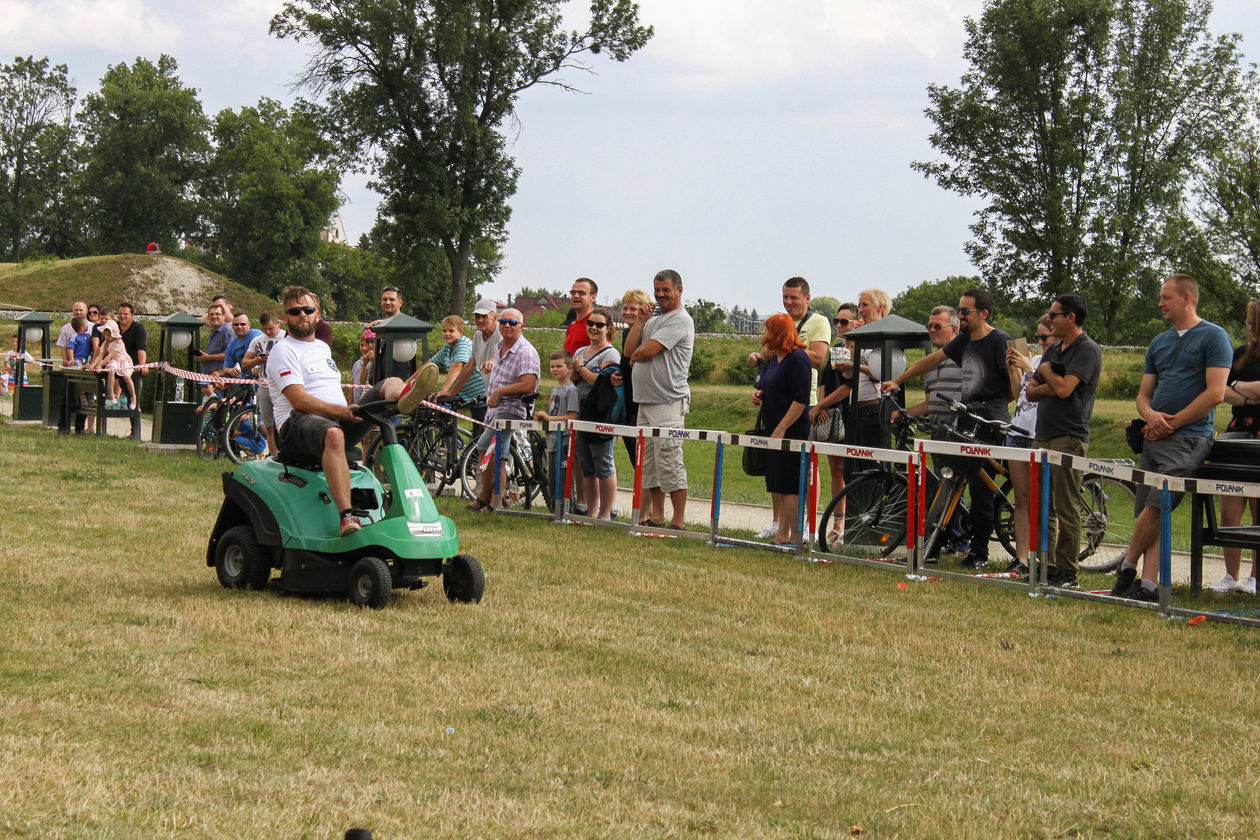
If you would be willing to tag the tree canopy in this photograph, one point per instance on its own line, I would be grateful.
(36, 106)
(429, 87)
(145, 139)
(268, 198)
(1081, 124)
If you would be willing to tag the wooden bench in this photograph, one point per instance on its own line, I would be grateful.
(91, 383)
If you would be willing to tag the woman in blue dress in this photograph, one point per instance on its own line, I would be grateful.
(784, 398)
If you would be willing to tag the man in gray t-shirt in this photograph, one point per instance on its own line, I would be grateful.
(660, 350)
(1064, 386)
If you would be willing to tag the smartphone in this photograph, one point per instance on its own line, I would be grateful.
(1020, 344)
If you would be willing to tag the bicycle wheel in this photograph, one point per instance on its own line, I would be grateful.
(243, 438)
(541, 466)
(209, 438)
(1108, 522)
(520, 486)
(372, 459)
(874, 517)
(1004, 517)
(428, 449)
(470, 472)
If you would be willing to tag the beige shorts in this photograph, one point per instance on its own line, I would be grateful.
(663, 465)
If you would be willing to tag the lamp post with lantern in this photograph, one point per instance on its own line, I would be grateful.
(28, 400)
(396, 339)
(174, 418)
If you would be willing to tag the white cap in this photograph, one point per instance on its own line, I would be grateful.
(485, 306)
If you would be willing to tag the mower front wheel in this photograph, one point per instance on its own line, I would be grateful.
(240, 561)
(370, 583)
(463, 580)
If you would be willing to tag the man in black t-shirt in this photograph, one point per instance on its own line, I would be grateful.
(135, 339)
(1064, 386)
(989, 384)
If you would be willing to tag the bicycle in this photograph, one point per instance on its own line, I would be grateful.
(231, 425)
(527, 473)
(436, 443)
(875, 500)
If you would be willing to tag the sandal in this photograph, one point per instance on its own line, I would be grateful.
(477, 506)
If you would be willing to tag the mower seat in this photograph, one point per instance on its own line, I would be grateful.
(354, 456)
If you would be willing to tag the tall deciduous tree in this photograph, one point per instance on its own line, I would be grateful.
(1229, 208)
(268, 196)
(36, 108)
(144, 153)
(1081, 123)
(431, 84)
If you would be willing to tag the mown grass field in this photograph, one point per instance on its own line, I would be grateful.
(606, 687)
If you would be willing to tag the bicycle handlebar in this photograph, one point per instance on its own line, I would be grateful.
(996, 425)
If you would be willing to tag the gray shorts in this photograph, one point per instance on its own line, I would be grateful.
(264, 407)
(1177, 455)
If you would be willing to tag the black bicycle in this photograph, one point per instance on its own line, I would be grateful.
(231, 425)
(869, 514)
(527, 472)
(435, 441)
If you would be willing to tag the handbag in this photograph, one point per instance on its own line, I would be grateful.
(830, 430)
(754, 462)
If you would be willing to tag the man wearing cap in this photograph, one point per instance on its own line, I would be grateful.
(485, 341)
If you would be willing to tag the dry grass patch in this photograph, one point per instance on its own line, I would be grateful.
(606, 686)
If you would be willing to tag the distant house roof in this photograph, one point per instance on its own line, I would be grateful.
(528, 304)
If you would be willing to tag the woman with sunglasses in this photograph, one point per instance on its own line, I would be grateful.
(835, 382)
(599, 473)
(1023, 428)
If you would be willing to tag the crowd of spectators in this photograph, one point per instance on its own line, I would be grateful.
(807, 371)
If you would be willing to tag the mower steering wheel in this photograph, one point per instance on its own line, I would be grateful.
(377, 412)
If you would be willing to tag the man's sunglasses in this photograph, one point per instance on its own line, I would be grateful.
(509, 322)
(843, 322)
(295, 311)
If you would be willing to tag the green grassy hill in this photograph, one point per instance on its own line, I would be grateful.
(157, 285)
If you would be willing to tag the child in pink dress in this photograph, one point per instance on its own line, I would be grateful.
(113, 359)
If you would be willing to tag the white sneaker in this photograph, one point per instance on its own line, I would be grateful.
(1227, 584)
(1247, 586)
(769, 531)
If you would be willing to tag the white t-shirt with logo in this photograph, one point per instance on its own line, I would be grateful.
(306, 363)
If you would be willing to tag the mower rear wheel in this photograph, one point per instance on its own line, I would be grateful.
(463, 580)
(371, 584)
(240, 561)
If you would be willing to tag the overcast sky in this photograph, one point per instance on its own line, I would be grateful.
(752, 140)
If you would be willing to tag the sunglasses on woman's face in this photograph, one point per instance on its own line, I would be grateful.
(595, 325)
(1044, 337)
(842, 322)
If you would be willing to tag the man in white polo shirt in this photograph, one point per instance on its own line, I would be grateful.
(312, 417)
